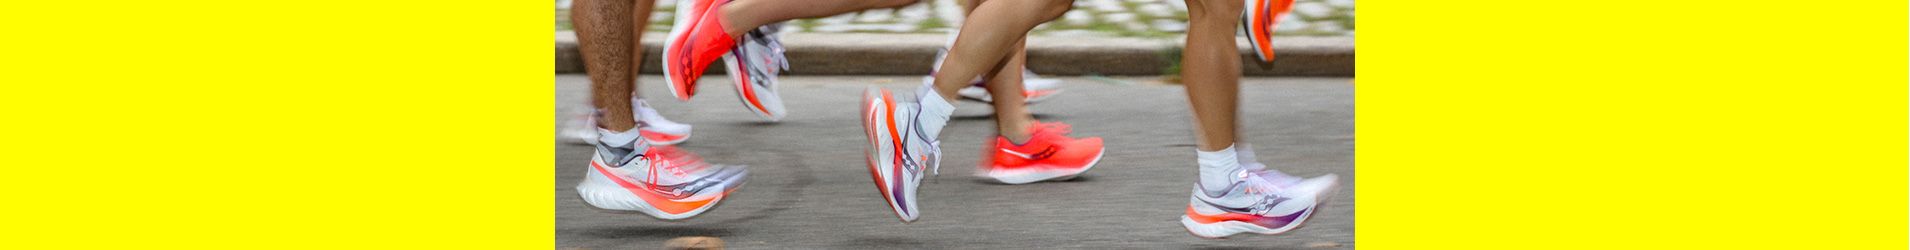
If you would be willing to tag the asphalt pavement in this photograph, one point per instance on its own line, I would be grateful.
(810, 189)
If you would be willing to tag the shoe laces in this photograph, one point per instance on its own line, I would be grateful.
(768, 37)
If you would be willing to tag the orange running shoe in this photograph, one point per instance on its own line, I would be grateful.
(1258, 21)
(696, 40)
(1048, 155)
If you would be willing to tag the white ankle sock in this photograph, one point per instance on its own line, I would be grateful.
(1217, 169)
(935, 111)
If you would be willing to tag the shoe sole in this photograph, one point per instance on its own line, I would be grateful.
(1255, 11)
(678, 28)
(1039, 176)
(876, 153)
(655, 141)
(1222, 230)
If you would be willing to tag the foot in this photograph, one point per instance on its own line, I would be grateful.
(582, 129)
(660, 181)
(1260, 202)
(1048, 155)
(696, 40)
(753, 65)
(900, 152)
(1258, 21)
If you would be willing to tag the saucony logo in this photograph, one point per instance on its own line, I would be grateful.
(1043, 154)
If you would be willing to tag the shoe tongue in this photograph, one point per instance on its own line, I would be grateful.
(620, 148)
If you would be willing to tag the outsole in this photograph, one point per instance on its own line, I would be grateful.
(1256, 10)
(1319, 206)
(1054, 177)
(678, 27)
(680, 140)
(616, 199)
(869, 119)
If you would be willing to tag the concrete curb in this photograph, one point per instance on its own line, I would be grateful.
(912, 54)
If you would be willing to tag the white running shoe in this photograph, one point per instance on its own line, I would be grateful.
(582, 129)
(902, 149)
(753, 66)
(1261, 202)
(627, 174)
(1033, 87)
(659, 130)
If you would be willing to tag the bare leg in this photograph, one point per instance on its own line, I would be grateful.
(605, 38)
(1211, 70)
(987, 37)
(1012, 117)
(639, 22)
(740, 16)
(968, 7)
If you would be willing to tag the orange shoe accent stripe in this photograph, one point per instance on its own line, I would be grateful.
(658, 201)
(895, 136)
(868, 125)
(1207, 219)
(1264, 39)
(749, 92)
(658, 136)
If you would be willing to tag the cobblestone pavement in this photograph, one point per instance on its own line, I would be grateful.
(1132, 18)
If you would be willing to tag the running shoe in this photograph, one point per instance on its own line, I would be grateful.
(1034, 87)
(1261, 202)
(696, 40)
(660, 181)
(582, 129)
(753, 65)
(1048, 155)
(1258, 21)
(659, 130)
(901, 151)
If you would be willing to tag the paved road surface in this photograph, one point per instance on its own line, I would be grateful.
(809, 187)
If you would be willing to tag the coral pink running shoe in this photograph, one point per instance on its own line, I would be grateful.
(696, 40)
(1258, 21)
(1048, 155)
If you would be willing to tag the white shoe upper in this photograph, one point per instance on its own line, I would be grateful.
(975, 91)
(754, 65)
(582, 129)
(654, 121)
(920, 154)
(1254, 194)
